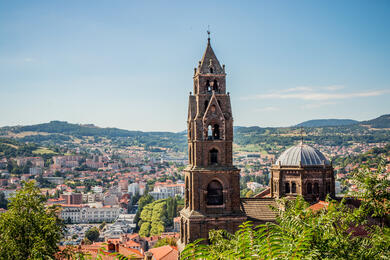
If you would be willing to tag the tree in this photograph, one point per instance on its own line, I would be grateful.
(373, 190)
(3, 201)
(29, 229)
(166, 241)
(92, 234)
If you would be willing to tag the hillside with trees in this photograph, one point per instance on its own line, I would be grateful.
(59, 132)
(327, 122)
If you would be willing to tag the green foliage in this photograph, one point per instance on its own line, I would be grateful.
(166, 241)
(92, 234)
(158, 215)
(373, 190)
(300, 233)
(29, 229)
(3, 201)
(12, 148)
(154, 217)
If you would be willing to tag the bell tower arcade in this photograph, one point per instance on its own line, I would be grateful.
(212, 182)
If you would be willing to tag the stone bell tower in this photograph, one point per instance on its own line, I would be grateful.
(212, 183)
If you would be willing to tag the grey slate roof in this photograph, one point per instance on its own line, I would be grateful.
(302, 155)
(258, 209)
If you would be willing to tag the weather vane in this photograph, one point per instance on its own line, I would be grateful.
(208, 32)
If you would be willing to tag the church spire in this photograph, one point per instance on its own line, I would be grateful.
(209, 63)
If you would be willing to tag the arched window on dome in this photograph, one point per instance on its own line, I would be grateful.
(213, 156)
(327, 188)
(316, 188)
(309, 188)
(293, 187)
(214, 193)
(287, 187)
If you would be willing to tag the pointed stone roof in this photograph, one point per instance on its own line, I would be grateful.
(209, 60)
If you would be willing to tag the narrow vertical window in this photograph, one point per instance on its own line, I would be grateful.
(293, 188)
(214, 193)
(309, 188)
(316, 188)
(287, 187)
(215, 85)
(213, 156)
(216, 132)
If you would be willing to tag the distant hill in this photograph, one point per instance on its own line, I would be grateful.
(324, 131)
(379, 122)
(327, 122)
(62, 131)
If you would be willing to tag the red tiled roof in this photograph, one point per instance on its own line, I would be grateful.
(319, 205)
(165, 253)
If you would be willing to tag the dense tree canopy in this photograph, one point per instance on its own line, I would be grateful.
(92, 234)
(29, 229)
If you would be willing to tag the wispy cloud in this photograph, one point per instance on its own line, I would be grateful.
(267, 109)
(317, 94)
(317, 105)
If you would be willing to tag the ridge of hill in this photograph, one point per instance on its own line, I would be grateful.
(327, 122)
(379, 122)
(266, 138)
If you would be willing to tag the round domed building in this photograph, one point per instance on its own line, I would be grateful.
(302, 170)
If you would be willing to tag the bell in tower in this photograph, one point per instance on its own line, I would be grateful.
(212, 182)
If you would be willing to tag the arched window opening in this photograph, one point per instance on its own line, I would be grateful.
(187, 195)
(214, 193)
(190, 155)
(216, 132)
(206, 104)
(209, 133)
(287, 187)
(213, 156)
(309, 188)
(181, 230)
(211, 70)
(293, 188)
(316, 188)
(186, 238)
(208, 87)
(215, 85)
(327, 188)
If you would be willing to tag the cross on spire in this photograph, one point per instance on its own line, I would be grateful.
(208, 33)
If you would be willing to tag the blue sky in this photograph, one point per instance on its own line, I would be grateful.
(129, 64)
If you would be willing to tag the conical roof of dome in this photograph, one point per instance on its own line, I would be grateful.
(302, 155)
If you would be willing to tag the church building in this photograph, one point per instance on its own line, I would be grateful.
(212, 182)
